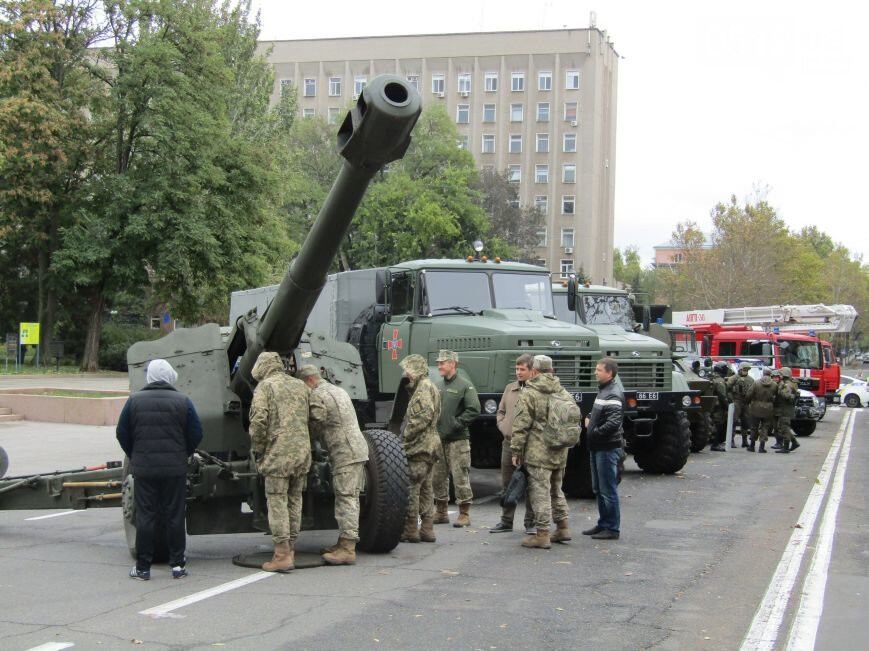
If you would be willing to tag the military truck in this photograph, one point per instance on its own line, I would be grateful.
(657, 431)
(225, 493)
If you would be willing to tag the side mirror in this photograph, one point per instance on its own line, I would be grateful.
(647, 318)
(382, 281)
(571, 293)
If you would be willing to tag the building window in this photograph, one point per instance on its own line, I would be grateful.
(544, 80)
(541, 202)
(541, 237)
(568, 204)
(517, 82)
(488, 112)
(488, 143)
(413, 80)
(566, 267)
(513, 203)
(571, 80)
(517, 112)
(542, 143)
(438, 85)
(359, 84)
(462, 142)
(334, 114)
(334, 86)
(463, 113)
(567, 238)
(464, 84)
(310, 87)
(541, 173)
(568, 173)
(308, 113)
(286, 85)
(677, 257)
(543, 112)
(515, 144)
(514, 173)
(569, 142)
(491, 82)
(570, 111)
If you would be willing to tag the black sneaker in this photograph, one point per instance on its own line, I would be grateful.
(141, 575)
(501, 528)
(179, 572)
(606, 534)
(590, 532)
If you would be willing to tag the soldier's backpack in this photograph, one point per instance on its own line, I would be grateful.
(561, 429)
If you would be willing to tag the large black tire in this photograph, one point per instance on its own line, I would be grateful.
(668, 449)
(701, 431)
(383, 505)
(577, 474)
(128, 514)
(852, 400)
(4, 462)
(803, 427)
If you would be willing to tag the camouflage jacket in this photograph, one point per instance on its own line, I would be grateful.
(334, 422)
(738, 386)
(762, 392)
(420, 430)
(532, 409)
(279, 420)
(719, 390)
(786, 398)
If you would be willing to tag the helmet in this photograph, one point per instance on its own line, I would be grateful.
(786, 372)
(776, 373)
(745, 366)
(720, 368)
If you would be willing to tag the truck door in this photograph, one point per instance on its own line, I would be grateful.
(831, 371)
(394, 338)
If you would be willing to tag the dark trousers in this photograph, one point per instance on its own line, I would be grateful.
(160, 509)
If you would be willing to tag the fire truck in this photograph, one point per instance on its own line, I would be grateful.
(776, 336)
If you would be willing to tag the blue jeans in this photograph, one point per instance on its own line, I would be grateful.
(604, 473)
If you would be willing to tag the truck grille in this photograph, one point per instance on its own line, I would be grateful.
(464, 343)
(642, 375)
(575, 373)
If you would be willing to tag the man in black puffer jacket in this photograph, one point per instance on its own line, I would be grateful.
(604, 432)
(158, 429)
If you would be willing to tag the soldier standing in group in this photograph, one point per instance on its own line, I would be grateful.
(504, 418)
(545, 465)
(785, 408)
(333, 420)
(459, 407)
(719, 411)
(737, 388)
(760, 399)
(281, 446)
(421, 442)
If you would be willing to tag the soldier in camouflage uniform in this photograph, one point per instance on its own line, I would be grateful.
(760, 406)
(737, 389)
(421, 442)
(784, 407)
(333, 420)
(545, 465)
(719, 412)
(282, 449)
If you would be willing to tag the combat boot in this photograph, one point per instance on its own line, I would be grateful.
(562, 533)
(282, 560)
(775, 446)
(750, 448)
(344, 555)
(411, 533)
(745, 440)
(426, 531)
(794, 445)
(784, 449)
(441, 515)
(539, 540)
(331, 548)
(762, 447)
(717, 447)
(464, 519)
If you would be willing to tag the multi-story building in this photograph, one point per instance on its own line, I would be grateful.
(539, 106)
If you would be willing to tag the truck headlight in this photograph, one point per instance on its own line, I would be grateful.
(490, 406)
(686, 401)
(816, 402)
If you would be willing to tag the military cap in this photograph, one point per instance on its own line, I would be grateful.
(786, 371)
(414, 365)
(308, 370)
(542, 363)
(744, 366)
(776, 373)
(767, 371)
(447, 356)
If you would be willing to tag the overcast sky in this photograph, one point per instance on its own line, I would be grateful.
(714, 98)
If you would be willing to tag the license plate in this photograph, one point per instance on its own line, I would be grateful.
(651, 395)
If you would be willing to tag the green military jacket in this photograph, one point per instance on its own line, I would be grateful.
(420, 430)
(532, 409)
(333, 420)
(761, 396)
(459, 407)
(279, 420)
(719, 390)
(738, 386)
(786, 398)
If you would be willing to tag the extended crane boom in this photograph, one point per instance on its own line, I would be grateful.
(787, 318)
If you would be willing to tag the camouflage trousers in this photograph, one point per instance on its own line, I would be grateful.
(284, 498)
(783, 428)
(507, 469)
(547, 499)
(762, 428)
(347, 482)
(741, 417)
(421, 501)
(453, 460)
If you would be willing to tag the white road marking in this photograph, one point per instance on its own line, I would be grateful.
(54, 515)
(764, 629)
(808, 617)
(52, 646)
(168, 607)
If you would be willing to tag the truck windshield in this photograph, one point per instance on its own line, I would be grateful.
(683, 342)
(559, 300)
(608, 309)
(523, 291)
(457, 292)
(800, 354)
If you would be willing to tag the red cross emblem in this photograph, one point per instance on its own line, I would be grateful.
(394, 344)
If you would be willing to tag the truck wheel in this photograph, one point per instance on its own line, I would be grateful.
(667, 451)
(383, 505)
(4, 462)
(701, 431)
(804, 427)
(128, 513)
(577, 474)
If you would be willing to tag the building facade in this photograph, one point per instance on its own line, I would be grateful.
(539, 106)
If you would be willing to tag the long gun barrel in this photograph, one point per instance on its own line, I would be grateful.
(375, 132)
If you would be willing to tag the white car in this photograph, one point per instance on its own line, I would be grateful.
(855, 394)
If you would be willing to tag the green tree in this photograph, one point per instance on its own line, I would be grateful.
(517, 225)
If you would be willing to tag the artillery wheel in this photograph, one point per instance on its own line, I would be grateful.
(383, 505)
(804, 427)
(701, 431)
(4, 462)
(128, 513)
(577, 473)
(667, 451)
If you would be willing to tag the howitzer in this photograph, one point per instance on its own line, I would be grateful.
(222, 477)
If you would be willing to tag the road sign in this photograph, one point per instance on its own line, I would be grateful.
(29, 333)
(11, 344)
